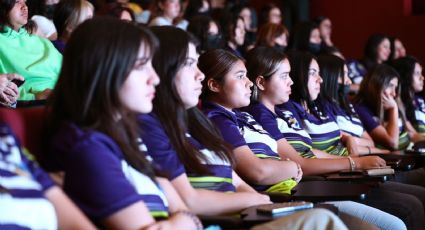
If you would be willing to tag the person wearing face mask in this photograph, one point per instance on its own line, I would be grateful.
(333, 97)
(306, 37)
(273, 35)
(206, 30)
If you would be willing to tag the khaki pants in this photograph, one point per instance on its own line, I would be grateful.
(313, 219)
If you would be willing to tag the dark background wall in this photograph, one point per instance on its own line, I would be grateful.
(354, 20)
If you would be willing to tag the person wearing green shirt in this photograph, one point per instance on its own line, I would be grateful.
(21, 52)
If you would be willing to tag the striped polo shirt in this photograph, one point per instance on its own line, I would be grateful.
(99, 179)
(324, 131)
(22, 187)
(419, 123)
(166, 158)
(239, 129)
(370, 122)
(349, 123)
(282, 124)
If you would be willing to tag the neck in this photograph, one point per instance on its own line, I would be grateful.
(220, 102)
(267, 103)
(232, 45)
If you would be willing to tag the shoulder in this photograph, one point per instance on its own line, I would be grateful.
(72, 142)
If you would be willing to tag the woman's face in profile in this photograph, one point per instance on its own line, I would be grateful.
(18, 15)
(138, 89)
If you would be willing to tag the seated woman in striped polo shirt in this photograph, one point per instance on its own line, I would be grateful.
(381, 111)
(29, 199)
(93, 130)
(257, 154)
(333, 98)
(321, 126)
(270, 72)
(182, 141)
(411, 84)
(189, 149)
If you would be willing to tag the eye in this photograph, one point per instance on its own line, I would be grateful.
(284, 76)
(140, 64)
(189, 62)
(240, 76)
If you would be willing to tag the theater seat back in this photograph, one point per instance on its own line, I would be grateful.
(27, 124)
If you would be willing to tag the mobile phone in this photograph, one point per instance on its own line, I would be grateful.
(18, 82)
(277, 208)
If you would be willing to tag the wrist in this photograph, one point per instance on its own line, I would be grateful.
(196, 221)
(353, 165)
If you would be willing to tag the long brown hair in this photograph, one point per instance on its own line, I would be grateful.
(172, 53)
(372, 86)
(93, 72)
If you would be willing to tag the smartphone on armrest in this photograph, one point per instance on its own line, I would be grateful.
(18, 82)
(278, 208)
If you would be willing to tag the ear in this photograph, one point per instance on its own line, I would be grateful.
(160, 5)
(260, 82)
(213, 85)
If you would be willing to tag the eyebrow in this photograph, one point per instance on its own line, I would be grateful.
(190, 59)
(240, 71)
(143, 60)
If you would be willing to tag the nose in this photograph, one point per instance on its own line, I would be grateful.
(199, 75)
(393, 93)
(249, 83)
(319, 79)
(291, 82)
(154, 78)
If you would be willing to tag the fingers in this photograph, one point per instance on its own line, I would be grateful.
(14, 88)
(12, 76)
(5, 98)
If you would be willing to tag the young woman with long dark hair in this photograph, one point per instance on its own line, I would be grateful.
(104, 84)
(411, 84)
(258, 155)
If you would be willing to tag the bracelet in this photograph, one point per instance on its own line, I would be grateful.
(192, 216)
(352, 163)
(368, 148)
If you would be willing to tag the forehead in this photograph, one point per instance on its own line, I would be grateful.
(386, 41)
(192, 51)
(283, 65)
(314, 65)
(394, 81)
(239, 66)
(144, 50)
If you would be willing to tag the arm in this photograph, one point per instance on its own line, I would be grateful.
(413, 134)
(321, 154)
(240, 185)
(262, 171)
(208, 202)
(367, 140)
(68, 215)
(387, 136)
(137, 216)
(311, 166)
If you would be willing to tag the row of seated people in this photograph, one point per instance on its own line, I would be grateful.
(37, 60)
(116, 186)
(102, 134)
